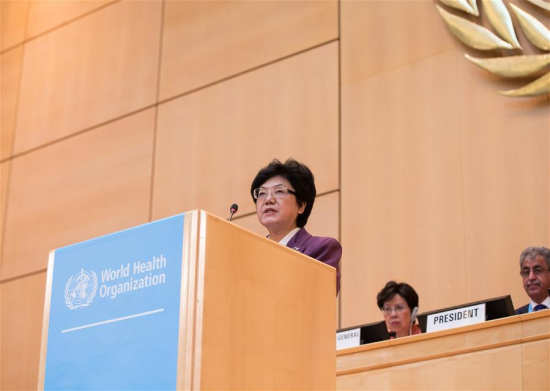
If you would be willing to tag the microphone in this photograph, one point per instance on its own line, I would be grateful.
(413, 318)
(234, 208)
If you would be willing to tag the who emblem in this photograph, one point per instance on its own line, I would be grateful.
(80, 289)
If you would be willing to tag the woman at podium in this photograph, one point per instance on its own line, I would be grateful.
(284, 194)
(399, 305)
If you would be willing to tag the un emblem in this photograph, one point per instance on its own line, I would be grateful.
(504, 40)
(80, 289)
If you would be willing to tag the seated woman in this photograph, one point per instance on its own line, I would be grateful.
(399, 304)
(284, 195)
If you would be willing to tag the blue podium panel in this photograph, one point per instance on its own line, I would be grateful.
(114, 310)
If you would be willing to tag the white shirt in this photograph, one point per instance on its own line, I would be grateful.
(284, 241)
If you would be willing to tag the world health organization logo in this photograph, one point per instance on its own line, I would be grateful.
(80, 289)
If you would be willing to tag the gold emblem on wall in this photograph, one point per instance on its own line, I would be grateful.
(480, 38)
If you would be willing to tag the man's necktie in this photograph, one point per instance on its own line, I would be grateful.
(540, 307)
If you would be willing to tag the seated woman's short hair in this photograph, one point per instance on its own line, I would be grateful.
(402, 289)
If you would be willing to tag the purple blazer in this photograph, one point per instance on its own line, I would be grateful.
(326, 250)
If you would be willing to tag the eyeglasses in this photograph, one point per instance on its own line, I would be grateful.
(398, 309)
(278, 191)
(536, 271)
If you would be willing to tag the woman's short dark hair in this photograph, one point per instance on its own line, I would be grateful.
(300, 178)
(403, 289)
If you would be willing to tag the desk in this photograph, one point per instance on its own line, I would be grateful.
(510, 353)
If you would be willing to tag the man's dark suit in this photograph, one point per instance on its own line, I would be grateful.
(525, 308)
(522, 310)
(326, 250)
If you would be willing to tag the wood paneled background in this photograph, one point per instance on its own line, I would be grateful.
(116, 113)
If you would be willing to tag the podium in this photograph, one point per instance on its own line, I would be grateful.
(189, 302)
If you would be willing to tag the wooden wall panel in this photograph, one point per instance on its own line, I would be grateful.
(22, 311)
(0, 335)
(45, 15)
(206, 41)
(381, 35)
(402, 191)
(83, 187)
(212, 143)
(10, 70)
(4, 181)
(325, 217)
(13, 16)
(251, 223)
(444, 186)
(506, 182)
(323, 221)
(89, 72)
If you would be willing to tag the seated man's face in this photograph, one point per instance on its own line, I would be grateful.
(537, 283)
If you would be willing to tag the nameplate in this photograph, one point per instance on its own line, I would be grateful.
(456, 318)
(348, 339)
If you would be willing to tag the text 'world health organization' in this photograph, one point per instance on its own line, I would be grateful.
(144, 275)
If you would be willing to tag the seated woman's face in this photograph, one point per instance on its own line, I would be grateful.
(278, 211)
(397, 315)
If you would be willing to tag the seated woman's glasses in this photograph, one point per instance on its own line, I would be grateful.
(398, 309)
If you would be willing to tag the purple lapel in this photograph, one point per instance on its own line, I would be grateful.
(298, 240)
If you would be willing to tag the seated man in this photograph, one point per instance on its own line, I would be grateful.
(534, 263)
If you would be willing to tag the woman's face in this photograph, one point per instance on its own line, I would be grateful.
(397, 315)
(278, 213)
